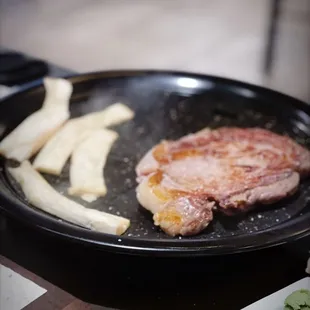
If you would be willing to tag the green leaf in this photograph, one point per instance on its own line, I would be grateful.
(298, 300)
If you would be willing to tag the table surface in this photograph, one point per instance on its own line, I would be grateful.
(129, 282)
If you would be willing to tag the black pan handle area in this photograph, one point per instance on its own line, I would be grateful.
(11, 61)
(29, 71)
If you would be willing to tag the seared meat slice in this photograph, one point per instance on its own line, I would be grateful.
(182, 182)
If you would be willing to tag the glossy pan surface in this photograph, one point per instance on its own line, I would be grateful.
(168, 105)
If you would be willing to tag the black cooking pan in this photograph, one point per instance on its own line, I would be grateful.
(167, 105)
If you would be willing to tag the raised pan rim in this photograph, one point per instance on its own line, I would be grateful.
(280, 234)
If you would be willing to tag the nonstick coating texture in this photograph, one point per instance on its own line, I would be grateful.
(168, 106)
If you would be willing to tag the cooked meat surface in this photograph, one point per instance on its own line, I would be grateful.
(230, 169)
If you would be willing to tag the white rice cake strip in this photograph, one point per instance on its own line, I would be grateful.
(53, 156)
(28, 137)
(114, 114)
(87, 165)
(43, 196)
(58, 149)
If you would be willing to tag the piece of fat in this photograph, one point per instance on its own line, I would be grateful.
(43, 196)
(29, 136)
(87, 165)
(54, 155)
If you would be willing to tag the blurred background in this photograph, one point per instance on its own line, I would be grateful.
(264, 42)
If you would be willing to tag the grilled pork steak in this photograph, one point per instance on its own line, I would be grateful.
(230, 169)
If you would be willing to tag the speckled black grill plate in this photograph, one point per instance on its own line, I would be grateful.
(168, 105)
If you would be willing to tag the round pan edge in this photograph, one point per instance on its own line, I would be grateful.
(280, 234)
